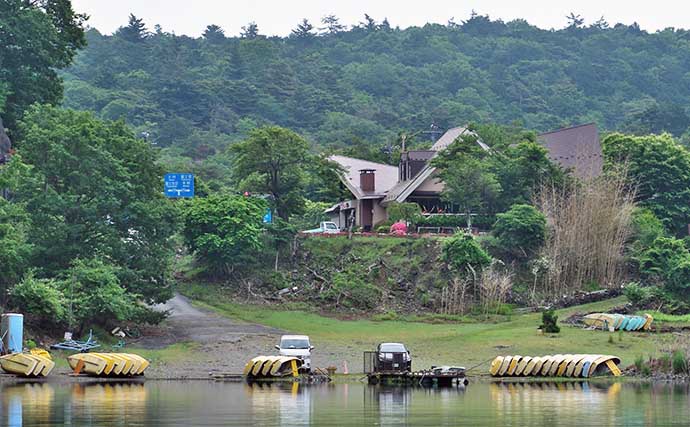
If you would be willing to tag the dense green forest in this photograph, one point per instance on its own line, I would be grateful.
(86, 236)
(363, 85)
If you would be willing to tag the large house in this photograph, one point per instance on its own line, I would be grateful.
(374, 186)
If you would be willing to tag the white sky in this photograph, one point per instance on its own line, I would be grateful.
(278, 17)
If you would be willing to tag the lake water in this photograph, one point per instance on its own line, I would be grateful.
(207, 403)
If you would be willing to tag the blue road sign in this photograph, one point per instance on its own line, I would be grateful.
(179, 185)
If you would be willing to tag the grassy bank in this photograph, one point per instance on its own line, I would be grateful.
(466, 343)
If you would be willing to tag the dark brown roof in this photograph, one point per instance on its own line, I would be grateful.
(577, 148)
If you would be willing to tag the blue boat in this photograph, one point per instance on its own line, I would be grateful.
(624, 323)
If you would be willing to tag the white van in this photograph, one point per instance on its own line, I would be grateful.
(299, 346)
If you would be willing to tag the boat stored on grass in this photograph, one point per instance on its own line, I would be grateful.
(618, 322)
(27, 364)
(559, 365)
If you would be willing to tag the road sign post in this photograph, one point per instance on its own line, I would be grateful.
(179, 185)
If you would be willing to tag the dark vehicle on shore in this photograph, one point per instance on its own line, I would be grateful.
(393, 357)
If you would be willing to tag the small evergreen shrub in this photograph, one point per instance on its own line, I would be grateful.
(549, 321)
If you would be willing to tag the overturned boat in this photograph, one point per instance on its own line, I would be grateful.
(108, 364)
(618, 322)
(272, 366)
(27, 364)
(559, 365)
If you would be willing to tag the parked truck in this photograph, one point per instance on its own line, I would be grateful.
(327, 227)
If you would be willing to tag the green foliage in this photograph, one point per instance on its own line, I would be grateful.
(224, 231)
(659, 168)
(95, 294)
(91, 187)
(549, 322)
(39, 298)
(403, 211)
(350, 291)
(520, 231)
(679, 363)
(667, 261)
(639, 362)
(463, 253)
(44, 37)
(272, 160)
(15, 250)
(312, 215)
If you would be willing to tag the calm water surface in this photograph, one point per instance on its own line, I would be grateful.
(208, 403)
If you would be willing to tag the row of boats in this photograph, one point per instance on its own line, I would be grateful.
(558, 365)
(618, 322)
(108, 364)
(39, 364)
(32, 364)
(272, 366)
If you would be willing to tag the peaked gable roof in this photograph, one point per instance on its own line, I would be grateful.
(385, 176)
(403, 189)
(577, 148)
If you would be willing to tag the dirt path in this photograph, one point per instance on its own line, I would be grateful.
(224, 345)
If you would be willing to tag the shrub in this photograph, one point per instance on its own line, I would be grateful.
(95, 293)
(639, 363)
(667, 261)
(384, 227)
(39, 297)
(350, 291)
(463, 253)
(520, 231)
(404, 211)
(549, 322)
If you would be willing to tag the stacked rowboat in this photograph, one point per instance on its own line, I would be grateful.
(618, 322)
(558, 365)
(33, 364)
(108, 364)
(272, 366)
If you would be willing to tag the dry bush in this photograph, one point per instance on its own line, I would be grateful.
(589, 223)
(455, 298)
(494, 286)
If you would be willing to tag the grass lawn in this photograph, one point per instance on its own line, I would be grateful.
(465, 344)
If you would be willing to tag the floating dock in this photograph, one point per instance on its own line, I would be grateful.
(428, 378)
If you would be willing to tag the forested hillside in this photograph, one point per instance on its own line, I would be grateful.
(340, 87)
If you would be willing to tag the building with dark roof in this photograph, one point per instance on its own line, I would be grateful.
(374, 186)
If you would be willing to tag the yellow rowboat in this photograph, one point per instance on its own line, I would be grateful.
(256, 370)
(537, 366)
(495, 365)
(139, 364)
(572, 364)
(249, 366)
(577, 372)
(108, 364)
(505, 365)
(604, 360)
(283, 366)
(530, 366)
(563, 365)
(546, 367)
(557, 359)
(601, 321)
(266, 369)
(88, 363)
(513, 365)
(18, 364)
(125, 362)
(522, 365)
(648, 322)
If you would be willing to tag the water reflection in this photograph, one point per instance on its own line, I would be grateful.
(38, 396)
(279, 404)
(80, 403)
(553, 402)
